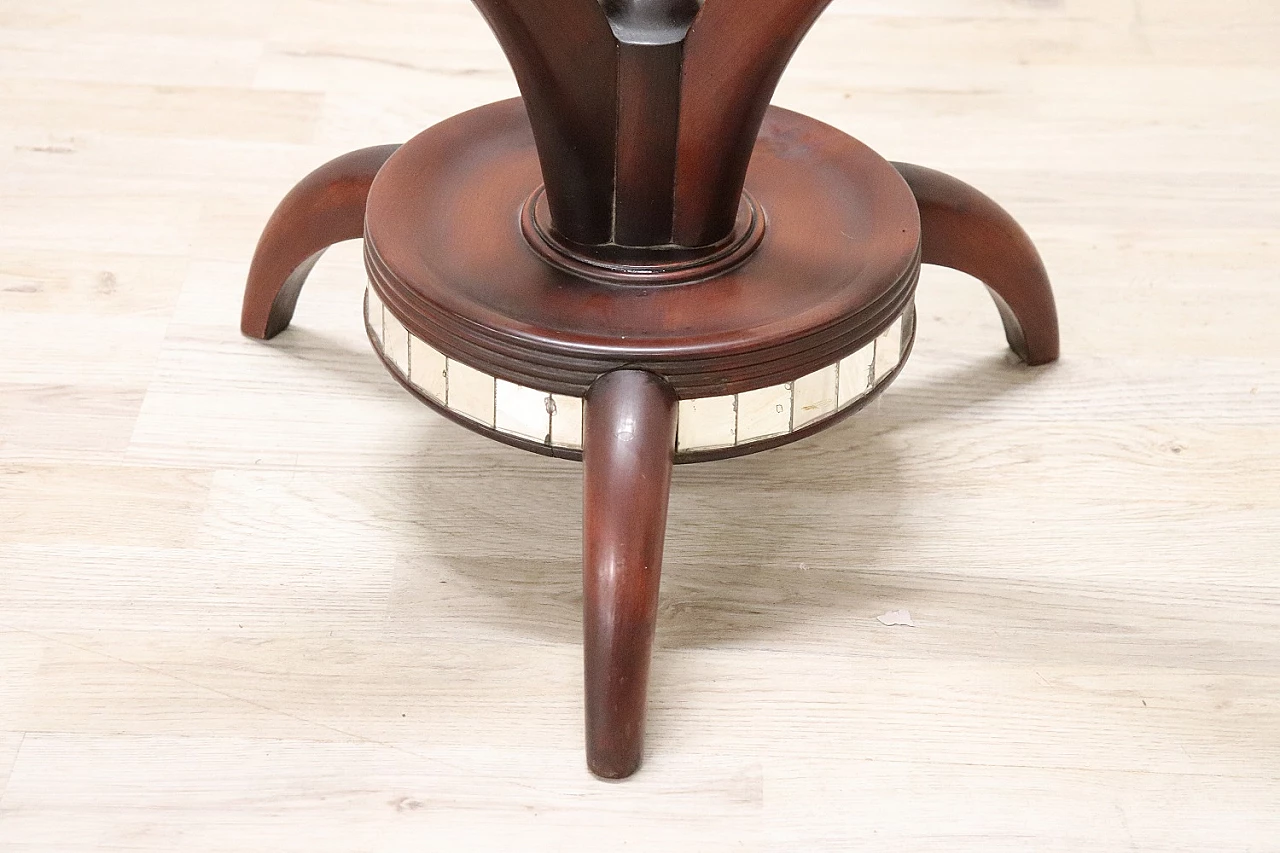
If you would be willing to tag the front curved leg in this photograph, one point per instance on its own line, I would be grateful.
(326, 207)
(965, 230)
(628, 447)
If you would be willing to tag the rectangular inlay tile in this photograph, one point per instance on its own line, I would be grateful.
(374, 314)
(470, 392)
(855, 374)
(426, 369)
(888, 350)
(813, 396)
(566, 421)
(395, 341)
(764, 413)
(522, 411)
(706, 423)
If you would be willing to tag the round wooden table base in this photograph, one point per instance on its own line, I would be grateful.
(633, 368)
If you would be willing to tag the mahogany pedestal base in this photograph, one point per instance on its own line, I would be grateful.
(801, 317)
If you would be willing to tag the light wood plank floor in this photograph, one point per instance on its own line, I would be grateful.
(254, 597)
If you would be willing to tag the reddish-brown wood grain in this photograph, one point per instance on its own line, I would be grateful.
(837, 262)
(642, 228)
(736, 54)
(628, 447)
(565, 61)
(964, 230)
(326, 207)
(645, 112)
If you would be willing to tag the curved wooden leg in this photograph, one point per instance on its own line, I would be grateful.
(628, 447)
(965, 230)
(326, 207)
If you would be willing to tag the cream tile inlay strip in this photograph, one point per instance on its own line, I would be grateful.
(706, 423)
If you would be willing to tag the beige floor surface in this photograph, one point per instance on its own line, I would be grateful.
(254, 597)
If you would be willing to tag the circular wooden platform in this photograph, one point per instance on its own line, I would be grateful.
(832, 263)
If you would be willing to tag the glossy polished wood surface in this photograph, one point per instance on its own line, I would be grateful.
(815, 261)
(646, 111)
(736, 54)
(258, 598)
(565, 59)
(628, 449)
(837, 263)
(965, 230)
(326, 207)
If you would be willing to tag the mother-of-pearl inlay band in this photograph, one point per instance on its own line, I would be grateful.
(706, 423)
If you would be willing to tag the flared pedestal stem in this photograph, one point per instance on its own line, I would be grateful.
(646, 112)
